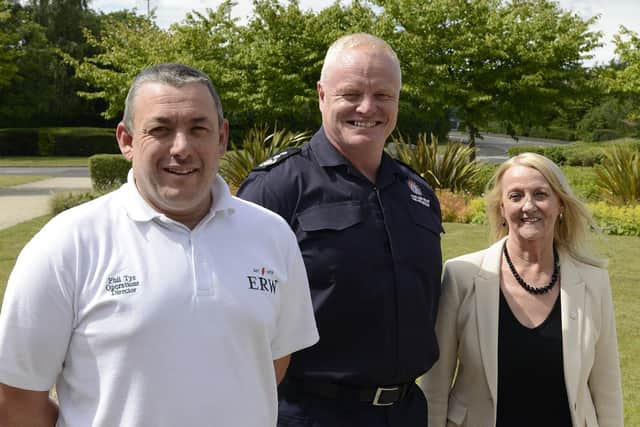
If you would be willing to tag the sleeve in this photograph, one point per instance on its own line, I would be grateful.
(436, 383)
(296, 327)
(264, 189)
(604, 380)
(36, 318)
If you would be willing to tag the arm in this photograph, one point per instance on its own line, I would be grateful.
(280, 367)
(26, 408)
(436, 383)
(605, 384)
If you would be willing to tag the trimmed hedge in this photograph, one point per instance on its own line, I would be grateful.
(18, 142)
(67, 141)
(108, 171)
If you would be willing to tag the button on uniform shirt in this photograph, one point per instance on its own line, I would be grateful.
(373, 257)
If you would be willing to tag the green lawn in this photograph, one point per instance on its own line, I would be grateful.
(622, 252)
(16, 161)
(9, 180)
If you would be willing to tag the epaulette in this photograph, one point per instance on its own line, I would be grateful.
(277, 158)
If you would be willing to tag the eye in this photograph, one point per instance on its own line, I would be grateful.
(350, 96)
(158, 131)
(514, 196)
(199, 130)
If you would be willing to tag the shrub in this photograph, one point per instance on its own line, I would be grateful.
(583, 181)
(63, 201)
(452, 169)
(84, 141)
(617, 220)
(519, 149)
(108, 171)
(619, 175)
(18, 142)
(485, 172)
(257, 146)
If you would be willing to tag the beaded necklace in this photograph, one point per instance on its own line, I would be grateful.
(525, 285)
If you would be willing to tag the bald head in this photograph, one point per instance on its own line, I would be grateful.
(358, 41)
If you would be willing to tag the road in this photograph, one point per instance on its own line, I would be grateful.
(58, 172)
(493, 148)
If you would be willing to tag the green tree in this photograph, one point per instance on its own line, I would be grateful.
(491, 60)
(626, 80)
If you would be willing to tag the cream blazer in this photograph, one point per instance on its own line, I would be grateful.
(467, 329)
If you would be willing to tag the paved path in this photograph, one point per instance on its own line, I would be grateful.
(27, 201)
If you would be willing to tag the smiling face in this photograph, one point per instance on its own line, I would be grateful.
(175, 148)
(358, 96)
(529, 205)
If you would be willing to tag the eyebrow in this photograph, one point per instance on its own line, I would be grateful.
(163, 120)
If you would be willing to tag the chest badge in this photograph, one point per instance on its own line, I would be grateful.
(416, 193)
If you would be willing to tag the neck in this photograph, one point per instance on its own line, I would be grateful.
(365, 159)
(530, 252)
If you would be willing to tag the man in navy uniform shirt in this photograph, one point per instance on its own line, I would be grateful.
(369, 231)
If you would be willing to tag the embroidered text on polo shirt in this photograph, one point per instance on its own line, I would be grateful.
(263, 280)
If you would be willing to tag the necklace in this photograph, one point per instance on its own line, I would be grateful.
(525, 285)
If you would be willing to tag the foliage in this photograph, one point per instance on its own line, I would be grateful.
(461, 207)
(257, 146)
(485, 172)
(619, 175)
(452, 169)
(582, 180)
(617, 220)
(607, 121)
(514, 62)
(61, 141)
(62, 201)
(627, 79)
(108, 171)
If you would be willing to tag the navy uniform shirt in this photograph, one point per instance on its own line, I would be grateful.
(373, 258)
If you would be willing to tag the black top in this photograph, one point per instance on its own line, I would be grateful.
(373, 258)
(531, 388)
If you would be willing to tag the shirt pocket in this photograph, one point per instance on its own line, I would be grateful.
(426, 218)
(331, 216)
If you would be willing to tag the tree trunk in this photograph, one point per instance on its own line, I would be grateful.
(472, 140)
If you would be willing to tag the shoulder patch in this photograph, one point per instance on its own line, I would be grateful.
(277, 158)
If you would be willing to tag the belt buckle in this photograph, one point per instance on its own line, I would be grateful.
(376, 398)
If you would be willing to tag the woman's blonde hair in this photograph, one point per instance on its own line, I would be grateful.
(570, 232)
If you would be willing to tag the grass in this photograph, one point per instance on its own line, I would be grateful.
(9, 180)
(19, 161)
(463, 238)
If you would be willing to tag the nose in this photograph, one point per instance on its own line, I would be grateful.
(180, 145)
(529, 204)
(366, 104)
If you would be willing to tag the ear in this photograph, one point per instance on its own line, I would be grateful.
(125, 141)
(223, 138)
(321, 93)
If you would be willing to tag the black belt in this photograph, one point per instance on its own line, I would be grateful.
(377, 396)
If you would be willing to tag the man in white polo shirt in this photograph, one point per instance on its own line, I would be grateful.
(168, 302)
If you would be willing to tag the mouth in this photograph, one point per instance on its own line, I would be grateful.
(530, 220)
(180, 171)
(365, 124)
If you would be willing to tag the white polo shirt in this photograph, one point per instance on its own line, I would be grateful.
(140, 321)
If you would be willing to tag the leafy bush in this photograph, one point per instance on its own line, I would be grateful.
(452, 169)
(582, 180)
(485, 172)
(257, 146)
(108, 171)
(63, 201)
(617, 220)
(619, 175)
(69, 141)
(18, 142)
(519, 149)
(84, 141)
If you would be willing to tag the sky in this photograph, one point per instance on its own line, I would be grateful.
(613, 13)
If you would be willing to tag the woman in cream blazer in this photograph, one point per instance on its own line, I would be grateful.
(461, 388)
